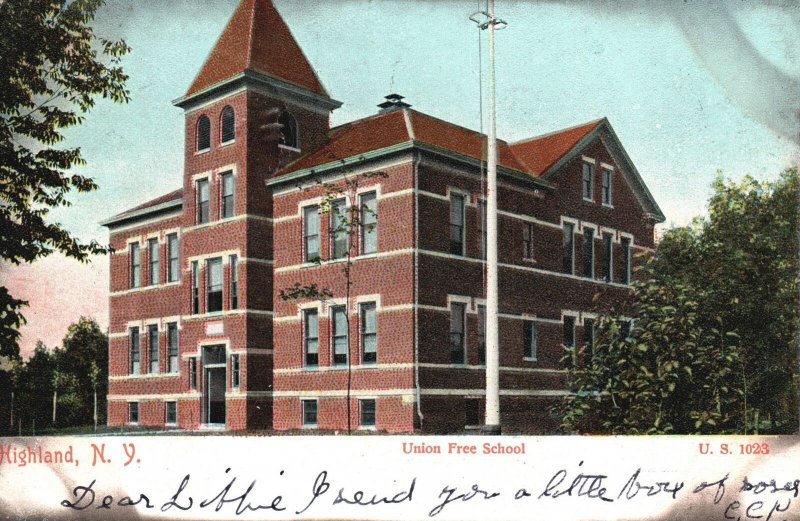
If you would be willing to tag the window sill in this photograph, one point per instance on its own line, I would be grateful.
(609, 206)
(530, 261)
(203, 151)
(227, 143)
(528, 359)
(585, 200)
(311, 427)
(288, 148)
(368, 428)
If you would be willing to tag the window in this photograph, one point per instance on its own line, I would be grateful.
(530, 340)
(234, 263)
(569, 248)
(170, 413)
(311, 233)
(173, 252)
(214, 285)
(311, 327)
(235, 371)
(339, 229)
(608, 244)
(195, 288)
(626, 327)
(588, 181)
(136, 265)
(172, 347)
(228, 183)
(456, 224)
(569, 331)
(472, 414)
(607, 187)
(228, 125)
(339, 315)
(193, 373)
(482, 333)
(457, 319)
(588, 339)
(202, 201)
(369, 223)
(152, 341)
(626, 260)
(309, 413)
(152, 251)
(588, 253)
(133, 412)
(288, 131)
(203, 133)
(367, 413)
(482, 214)
(135, 349)
(527, 241)
(369, 333)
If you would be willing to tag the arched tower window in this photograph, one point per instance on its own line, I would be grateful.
(203, 133)
(227, 125)
(288, 130)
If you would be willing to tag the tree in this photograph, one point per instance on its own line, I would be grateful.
(720, 298)
(52, 68)
(346, 223)
(84, 362)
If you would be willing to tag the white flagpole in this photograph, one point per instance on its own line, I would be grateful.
(492, 336)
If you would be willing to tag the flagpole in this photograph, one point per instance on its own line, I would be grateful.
(492, 335)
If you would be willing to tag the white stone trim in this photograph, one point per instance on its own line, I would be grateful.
(588, 160)
(194, 395)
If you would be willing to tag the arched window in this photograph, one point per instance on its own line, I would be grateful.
(288, 130)
(227, 125)
(203, 133)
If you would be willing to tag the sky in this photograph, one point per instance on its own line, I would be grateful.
(689, 87)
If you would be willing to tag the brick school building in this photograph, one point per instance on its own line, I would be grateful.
(200, 337)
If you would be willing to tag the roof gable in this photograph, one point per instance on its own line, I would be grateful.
(540, 153)
(257, 39)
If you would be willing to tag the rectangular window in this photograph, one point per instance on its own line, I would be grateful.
(309, 413)
(369, 333)
(608, 245)
(195, 288)
(369, 223)
(569, 248)
(153, 253)
(530, 340)
(588, 253)
(133, 412)
(311, 335)
(193, 373)
(214, 285)
(482, 214)
(367, 413)
(203, 209)
(339, 229)
(235, 371)
(472, 414)
(626, 327)
(152, 341)
(482, 333)
(339, 317)
(234, 263)
(227, 181)
(311, 233)
(456, 224)
(607, 187)
(170, 413)
(135, 348)
(626, 260)
(173, 252)
(588, 339)
(457, 319)
(569, 331)
(136, 265)
(588, 181)
(172, 348)
(527, 241)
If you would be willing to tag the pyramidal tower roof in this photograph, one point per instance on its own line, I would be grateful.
(257, 39)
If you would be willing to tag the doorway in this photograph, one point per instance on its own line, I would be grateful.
(215, 378)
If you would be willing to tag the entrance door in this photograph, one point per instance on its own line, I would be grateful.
(214, 369)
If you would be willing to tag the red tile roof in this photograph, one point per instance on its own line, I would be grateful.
(257, 39)
(540, 153)
(532, 156)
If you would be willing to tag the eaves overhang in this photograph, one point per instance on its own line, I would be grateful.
(159, 210)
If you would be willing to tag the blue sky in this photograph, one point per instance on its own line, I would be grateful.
(690, 88)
